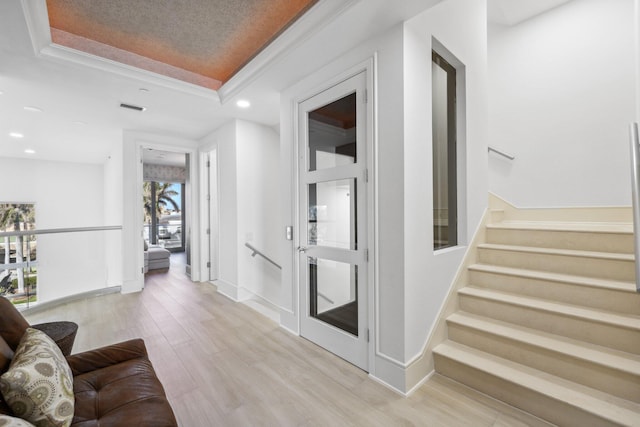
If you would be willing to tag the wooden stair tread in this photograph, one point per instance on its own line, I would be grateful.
(603, 356)
(628, 321)
(589, 400)
(615, 285)
(553, 251)
(547, 312)
(589, 227)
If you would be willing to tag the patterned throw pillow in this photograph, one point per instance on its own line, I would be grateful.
(7, 421)
(39, 385)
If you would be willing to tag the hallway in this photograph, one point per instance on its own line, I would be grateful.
(222, 363)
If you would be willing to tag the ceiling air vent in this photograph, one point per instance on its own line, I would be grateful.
(132, 107)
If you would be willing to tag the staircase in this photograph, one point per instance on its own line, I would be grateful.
(549, 322)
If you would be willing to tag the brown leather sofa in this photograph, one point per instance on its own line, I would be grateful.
(113, 386)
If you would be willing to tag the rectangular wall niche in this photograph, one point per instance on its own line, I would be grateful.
(444, 126)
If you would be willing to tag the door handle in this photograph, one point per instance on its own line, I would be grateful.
(302, 249)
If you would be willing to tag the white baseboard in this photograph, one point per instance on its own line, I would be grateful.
(131, 286)
(227, 289)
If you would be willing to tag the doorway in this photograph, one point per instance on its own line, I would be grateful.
(164, 214)
(166, 208)
(333, 217)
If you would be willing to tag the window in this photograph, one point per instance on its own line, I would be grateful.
(18, 254)
(445, 192)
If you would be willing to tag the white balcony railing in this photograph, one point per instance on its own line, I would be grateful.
(48, 264)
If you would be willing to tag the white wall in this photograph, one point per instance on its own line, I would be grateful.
(389, 307)
(224, 139)
(248, 198)
(257, 150)
(66, 195)
(410, 281)
(113, 214)
(561, 99)
(459, 26)
(132, 246)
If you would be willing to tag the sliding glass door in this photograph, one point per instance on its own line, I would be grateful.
(164, 214)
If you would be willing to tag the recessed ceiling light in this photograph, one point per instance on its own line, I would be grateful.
(16, 135)
(243, 103)
(33, 109)
(30, 151)
(143, 89)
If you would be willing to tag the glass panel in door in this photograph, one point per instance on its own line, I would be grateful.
(332, 214)
(334, 293)
(332, 138)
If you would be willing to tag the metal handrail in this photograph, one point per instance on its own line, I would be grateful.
(58, 230)
(635, 194)
(257, 252)
(502, 153)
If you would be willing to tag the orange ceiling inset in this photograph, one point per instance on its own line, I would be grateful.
(204, 42)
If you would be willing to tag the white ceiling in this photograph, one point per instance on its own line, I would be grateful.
(513, 12)
(151, 156)
(81, 120)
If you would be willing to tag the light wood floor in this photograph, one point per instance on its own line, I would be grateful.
(224, 364)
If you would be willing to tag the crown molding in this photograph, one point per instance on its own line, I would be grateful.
(309, 24)
(65, 54)
(35, 13)
(314, 20)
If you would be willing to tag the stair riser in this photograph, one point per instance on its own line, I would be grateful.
(570, 367)
(587, 296)
(556, 323)
(598, 242)
(543, 406)
(565, 264)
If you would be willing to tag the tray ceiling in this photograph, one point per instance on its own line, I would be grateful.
(203, 42)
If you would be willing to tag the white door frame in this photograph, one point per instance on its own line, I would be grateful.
(209, 214)
(191, 201)
(368, 68)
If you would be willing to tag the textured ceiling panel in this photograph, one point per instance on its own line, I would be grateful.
(209, 38)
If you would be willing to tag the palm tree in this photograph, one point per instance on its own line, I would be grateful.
(16, 215)
(164, 197)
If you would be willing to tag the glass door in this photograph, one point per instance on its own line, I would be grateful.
(332, 211)
(164, 215)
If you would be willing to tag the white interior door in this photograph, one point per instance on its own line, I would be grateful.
(213, 214)
(332, 244)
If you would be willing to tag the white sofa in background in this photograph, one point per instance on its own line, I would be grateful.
(156, 258)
